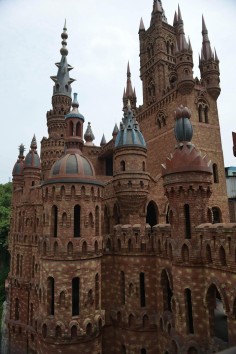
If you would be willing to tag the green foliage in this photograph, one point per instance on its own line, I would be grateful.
(5, 209)
(3, 275)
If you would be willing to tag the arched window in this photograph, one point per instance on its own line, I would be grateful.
(75, 296)
(142, 289)
(73, 331)
(17, 309)
(166, 291)
(192, 350)
(185, 253)
(44, 331)
(187, 221)
(18, 264)
(234, 309)
(122, 165)
(222, 256)
(216, 215)
(131, 320)
(62, 299)
(215, 173)
(97, 221)
(143, 351)
(58, 332)
(55, 248)
(33, 266)
(70, 249)
(96, 250)
(78, 129)
(77, 221)
(84, 247)
(116, 215)
(218, 322)
(208, 254)
(54, 216)
(123, 349)
(122, 287)
(106, 221)
(50, 296)
(21, 265)
(152, 214)
(71, 128)
(206, 114)
(189, 311)
(89, 329)
(97, 291)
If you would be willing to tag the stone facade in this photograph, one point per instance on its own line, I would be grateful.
(126, 247)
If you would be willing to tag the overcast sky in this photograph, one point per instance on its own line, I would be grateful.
(102, 37)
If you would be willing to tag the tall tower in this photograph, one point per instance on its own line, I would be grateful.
(53, 146)
(166, 71)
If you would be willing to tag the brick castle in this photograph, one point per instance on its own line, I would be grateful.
(126, 247)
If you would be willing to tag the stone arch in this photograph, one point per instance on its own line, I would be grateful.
(70, 248)
(222, 256)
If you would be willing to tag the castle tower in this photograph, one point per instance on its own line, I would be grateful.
(17, 172)
(131, 180)
(53, 146)
(166, 71)
(70, 250)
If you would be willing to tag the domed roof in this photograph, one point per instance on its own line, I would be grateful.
(32, 158)
(129, 133)
(72, 165)
(19, 165)
(186, 157)
(75, 112)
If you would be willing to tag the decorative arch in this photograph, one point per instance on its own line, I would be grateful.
(203, 111)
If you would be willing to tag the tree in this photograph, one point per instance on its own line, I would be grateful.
(5, 210)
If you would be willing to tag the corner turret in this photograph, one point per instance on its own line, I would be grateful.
(17, 172)
(187, 180)
(209, 65)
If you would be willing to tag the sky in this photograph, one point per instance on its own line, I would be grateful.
(102, 37)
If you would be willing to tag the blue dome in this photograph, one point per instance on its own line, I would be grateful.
(183, 127)
(129, 134)
(18, 168)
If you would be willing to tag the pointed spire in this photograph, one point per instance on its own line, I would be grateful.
(182, 43)
(88, 135)
(216, 56)
(175, 19)
(206, 45)
(141, 26)
(157, 7)
(74, 113)
(179, 14)
(115, 130)
(189, 45)
(62, 80)
(129, 93)
(33, 144)
(103, 141)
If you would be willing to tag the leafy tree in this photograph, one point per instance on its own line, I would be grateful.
(5, 209)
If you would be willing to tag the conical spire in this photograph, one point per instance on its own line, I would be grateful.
(103, 141)
(182, 43)
(115, 130)
(33, 144)
(62, 80)
(88, 135)
(206, 45)
(175, 19)
(129, 93)
(141, 26)
(157, 7)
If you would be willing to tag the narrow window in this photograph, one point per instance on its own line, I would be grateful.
(142, 289)
(122, 287)
(33, 266)
(17, 309)
(152, 214)
(50, 295)
(77, 221)
(75, 296)
(215, 173)
(97, 292)
(78, 129)
(187, 221)
(97, 221)
(54, 216)
(21, 265)
(216, 213)
(206, 114)
(222, 256)
(17, 264)
(189, 311)
(200, 113)
(143, 351)
(122, 165)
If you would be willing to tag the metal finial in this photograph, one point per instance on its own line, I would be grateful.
(64, 36)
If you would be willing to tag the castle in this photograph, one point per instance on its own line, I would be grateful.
(126, 247)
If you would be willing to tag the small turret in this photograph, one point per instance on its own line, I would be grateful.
(131, 181)
(74, 131)
(187, 179)
(115, 132)
(158, 14)
(103, 141)
(17, 172)
(209, 64)
(32, 166)
(89, 136)
(184, 58)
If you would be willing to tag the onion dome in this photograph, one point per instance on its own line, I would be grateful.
(32, 158)
(183, 128)
(88, 135)
(74, 113)
(186, 158)
(129, 134)
(103, 141)
(19, 165)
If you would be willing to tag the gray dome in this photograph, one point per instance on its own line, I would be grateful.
(18, 168)
(72, 165)
(32, 159)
